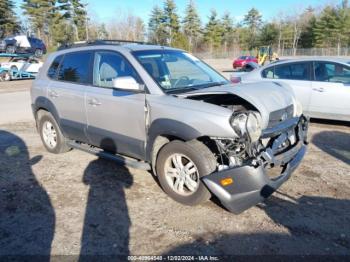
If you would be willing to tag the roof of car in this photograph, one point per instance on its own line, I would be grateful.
(113, 44)
(139, 47)
(318, 58)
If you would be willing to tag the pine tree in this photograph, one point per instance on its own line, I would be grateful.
(192, 25)
(269, 34)
(8, 19)
(171, 20)
(307, 37)
(253, 20)
(78, 16)
(39, 13)
(213, 31)
(156, 27)
(102, 32)
(327, 29)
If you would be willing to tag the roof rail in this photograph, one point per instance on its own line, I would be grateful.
(100, 42)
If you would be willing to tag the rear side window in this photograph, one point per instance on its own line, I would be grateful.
(293, 71)
(75, 67)
(52, 72)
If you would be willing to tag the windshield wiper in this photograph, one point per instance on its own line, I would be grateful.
(182, 90)
(214, 84)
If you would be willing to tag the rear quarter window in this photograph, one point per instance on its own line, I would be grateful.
(75, 67)
(53, 70)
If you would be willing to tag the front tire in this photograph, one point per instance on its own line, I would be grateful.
(180, 166)
(5, 76)
(50, 134)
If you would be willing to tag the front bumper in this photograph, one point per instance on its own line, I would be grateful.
(252, 184)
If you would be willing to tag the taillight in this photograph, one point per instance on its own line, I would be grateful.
(235, 79)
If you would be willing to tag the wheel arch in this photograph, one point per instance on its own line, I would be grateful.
(44, 104)
(163, 131)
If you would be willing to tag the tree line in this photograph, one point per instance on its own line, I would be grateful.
(54, 21)
(64, 21)
(327, 27)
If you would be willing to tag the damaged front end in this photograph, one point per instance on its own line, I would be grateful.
(250, 162)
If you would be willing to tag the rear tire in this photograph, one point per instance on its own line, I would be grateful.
(50, 134)
(180, 167)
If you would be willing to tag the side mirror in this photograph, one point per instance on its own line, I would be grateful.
(127, 83)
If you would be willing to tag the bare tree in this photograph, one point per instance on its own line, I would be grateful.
(126, 27)
(299, 20)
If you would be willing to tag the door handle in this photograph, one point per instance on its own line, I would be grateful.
(53, 94)
(94, 102)
(319, 89)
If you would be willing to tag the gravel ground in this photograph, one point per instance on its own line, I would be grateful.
(77, 204)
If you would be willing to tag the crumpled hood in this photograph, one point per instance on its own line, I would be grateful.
(265, 96)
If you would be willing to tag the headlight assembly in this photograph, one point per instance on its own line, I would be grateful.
(254, 126)
(247, 124)
(239, 123)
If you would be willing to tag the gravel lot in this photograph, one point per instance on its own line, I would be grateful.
(74, 203)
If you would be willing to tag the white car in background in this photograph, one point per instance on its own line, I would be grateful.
(322, 85)
(27, 64)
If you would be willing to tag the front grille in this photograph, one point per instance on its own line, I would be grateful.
(281, 115)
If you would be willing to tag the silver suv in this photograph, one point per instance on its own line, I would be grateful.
(160, 108)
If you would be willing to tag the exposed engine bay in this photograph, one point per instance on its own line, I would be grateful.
(248, 148)
(232, 152)
(230, 101)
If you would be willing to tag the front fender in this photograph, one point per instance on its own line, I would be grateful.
(169, 127)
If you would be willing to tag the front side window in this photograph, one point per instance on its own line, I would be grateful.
(109, 66)
(268, 72)
(52, 72)
(177, 71)
(332, 72)
(75, 67)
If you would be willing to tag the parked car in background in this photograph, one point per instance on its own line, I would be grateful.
(23, 44)
(242, 60)
(161, 108)
(28, 64)
(322, 85)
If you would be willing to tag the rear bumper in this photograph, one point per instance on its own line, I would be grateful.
(251, 185)
(237, 65)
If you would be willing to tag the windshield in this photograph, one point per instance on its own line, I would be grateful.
(177, 71)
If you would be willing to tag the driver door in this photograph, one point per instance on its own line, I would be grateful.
(115, 117)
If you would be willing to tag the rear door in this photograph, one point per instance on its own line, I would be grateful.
(66, 92)
(115, 118)
(331, 91)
